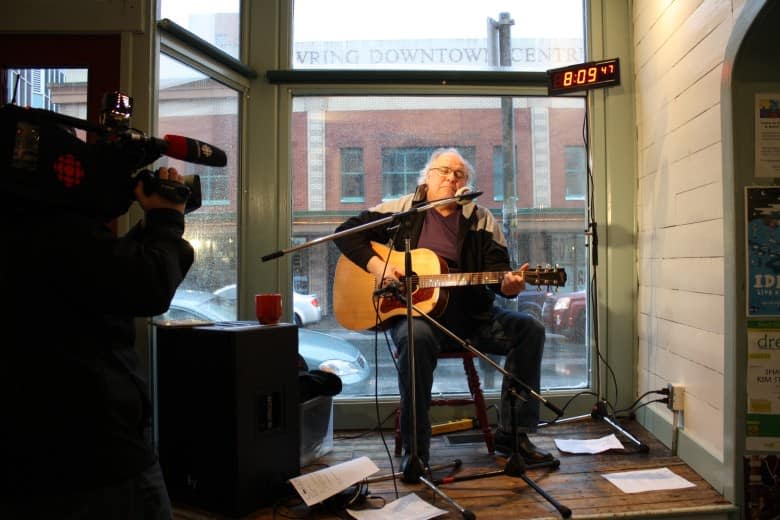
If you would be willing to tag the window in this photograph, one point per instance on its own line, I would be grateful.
(352, 189)
(575, 159)
(437, 34)
(401, 169)
(498, 174)
(395, 137)
(215, 185)
(217, 23)
(33, 87)
(193, 104)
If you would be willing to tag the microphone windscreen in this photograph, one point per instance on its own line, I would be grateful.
(192, 150)
(465, 195)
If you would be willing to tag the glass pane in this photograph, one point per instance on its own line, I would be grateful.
(395, 136)
(216, 22)
(60, 90)
(529, 35)
(195, 106)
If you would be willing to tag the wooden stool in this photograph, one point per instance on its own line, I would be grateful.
(477, 399)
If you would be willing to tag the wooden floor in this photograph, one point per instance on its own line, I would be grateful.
(576, 484)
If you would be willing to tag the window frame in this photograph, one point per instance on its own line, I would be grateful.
(581, 172)
(610, 119)
(350, 176)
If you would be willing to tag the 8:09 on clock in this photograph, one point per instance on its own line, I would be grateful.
(583, 76)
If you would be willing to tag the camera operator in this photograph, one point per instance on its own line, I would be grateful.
(74, 441)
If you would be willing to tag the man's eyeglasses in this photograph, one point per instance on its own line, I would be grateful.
(444, 171)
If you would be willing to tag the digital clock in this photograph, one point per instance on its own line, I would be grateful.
(583, 76)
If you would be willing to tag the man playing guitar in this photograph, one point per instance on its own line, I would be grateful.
(468, 239)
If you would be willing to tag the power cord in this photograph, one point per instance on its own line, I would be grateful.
(634, 406)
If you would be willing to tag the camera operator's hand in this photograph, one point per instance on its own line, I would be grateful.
(155, 200)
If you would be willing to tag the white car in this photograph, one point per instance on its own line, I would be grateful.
(306, 307)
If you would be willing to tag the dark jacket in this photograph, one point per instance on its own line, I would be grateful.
(481, 244)
(74, 406)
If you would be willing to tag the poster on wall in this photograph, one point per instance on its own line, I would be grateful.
(767, 114)
(763, 386)
(762, 207)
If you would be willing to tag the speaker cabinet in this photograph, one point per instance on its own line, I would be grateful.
(227, 420)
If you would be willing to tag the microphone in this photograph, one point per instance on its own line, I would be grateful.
(140, 149)
(390, 288)
(192, 150)
(465, 195)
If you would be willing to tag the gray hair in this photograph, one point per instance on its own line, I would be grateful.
(468, 168)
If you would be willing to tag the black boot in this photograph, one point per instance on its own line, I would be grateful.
(532, 454)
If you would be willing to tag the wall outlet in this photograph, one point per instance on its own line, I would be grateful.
(676, 397)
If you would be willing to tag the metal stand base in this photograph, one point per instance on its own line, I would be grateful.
(599, 412)
(515, 467)
(455, 465)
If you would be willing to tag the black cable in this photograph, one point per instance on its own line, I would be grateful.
(639, 399)
(592, 231)
(566, 405)
(377, 327)
(663, 400)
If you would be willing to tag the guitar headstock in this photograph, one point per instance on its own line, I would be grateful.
(545, 276)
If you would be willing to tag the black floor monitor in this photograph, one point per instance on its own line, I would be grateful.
(227, 420)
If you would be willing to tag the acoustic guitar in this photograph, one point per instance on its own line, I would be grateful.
(356, 307)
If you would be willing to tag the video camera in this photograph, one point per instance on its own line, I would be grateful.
(43, 161)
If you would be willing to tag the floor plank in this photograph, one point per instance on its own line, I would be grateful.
(577, 484)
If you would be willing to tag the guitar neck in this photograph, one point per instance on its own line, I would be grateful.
(460, 279)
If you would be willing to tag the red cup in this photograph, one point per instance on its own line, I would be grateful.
(268, 308)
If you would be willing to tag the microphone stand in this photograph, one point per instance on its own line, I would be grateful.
(369, 225)
(415, 470)
(600, 410)
(515, 465)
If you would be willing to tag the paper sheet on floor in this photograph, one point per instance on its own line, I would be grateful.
(409, 507)
(589, 445)
(647, 480)
(317, 486)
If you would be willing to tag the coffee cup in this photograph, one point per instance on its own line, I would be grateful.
(268, 308)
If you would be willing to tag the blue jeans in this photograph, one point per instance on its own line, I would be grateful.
(516, 335)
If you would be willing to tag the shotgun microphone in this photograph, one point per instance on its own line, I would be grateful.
(194, 151)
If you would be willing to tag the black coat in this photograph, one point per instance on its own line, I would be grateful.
(74, 408)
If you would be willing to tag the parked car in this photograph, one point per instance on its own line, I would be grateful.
(564, 314)
(532, 301)
(319, 350)
(306, 307)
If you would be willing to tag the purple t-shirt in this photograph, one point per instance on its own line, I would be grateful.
(440, 235)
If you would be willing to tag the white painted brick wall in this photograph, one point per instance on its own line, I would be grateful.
(679, 47)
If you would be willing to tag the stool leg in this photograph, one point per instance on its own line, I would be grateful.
(479, 401)
(398, 442)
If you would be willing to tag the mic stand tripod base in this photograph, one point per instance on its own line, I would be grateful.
(515, 467)
(599, 412)
(467, 515)
(455, 465)
(413, 471)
